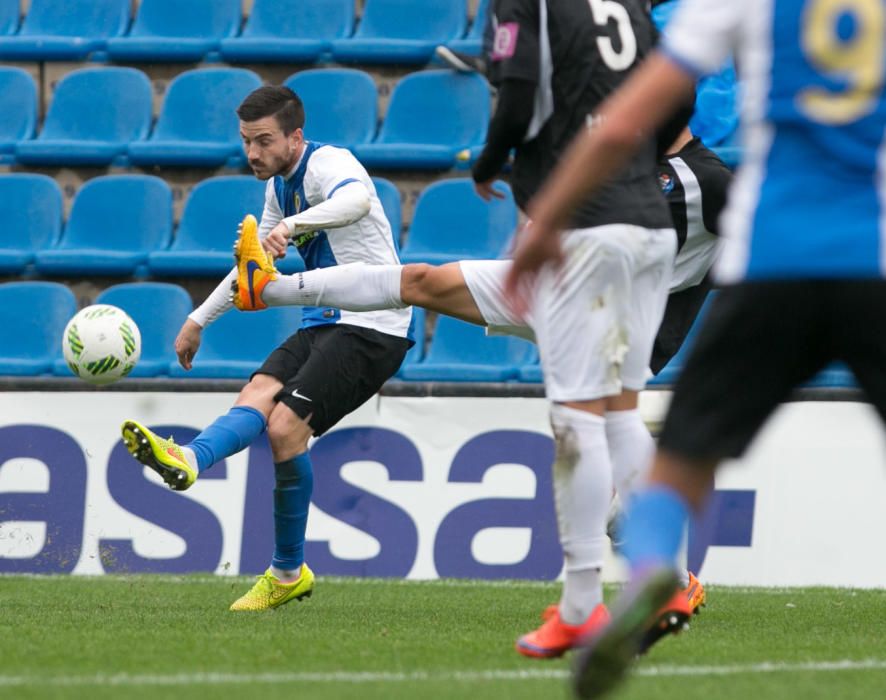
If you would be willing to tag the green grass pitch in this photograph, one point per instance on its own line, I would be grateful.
(173, 637)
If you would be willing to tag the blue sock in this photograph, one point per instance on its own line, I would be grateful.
(227, 435)
(292, 496)
(653, 527)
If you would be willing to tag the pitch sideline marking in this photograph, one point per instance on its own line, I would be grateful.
(123, 679)
(369, 581)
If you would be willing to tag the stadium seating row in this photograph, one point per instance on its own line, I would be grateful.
(436, 119)
(122, 225)
(458, 352)
(289, 31)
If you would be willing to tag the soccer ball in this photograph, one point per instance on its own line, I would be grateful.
(101, 344)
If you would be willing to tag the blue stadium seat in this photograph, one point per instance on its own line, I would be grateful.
(36, 340)
(341, 105)
(483, 228)
(433, 116)
(76, 133)
(9, 16)
(208, 227)
(198, 124)
(115, 221)
(171, 30)
(235, 345)
(531, 373)
(730, 154)
(472, 44)
(65, 30)
(394, 31)
(835, 376)
(159, 310)
(389, 196)
(715, 120)
(461, 352)
(19, 116)
(417, 352)
(31, 212)
(290, 31)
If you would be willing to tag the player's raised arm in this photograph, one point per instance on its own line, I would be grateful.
(340, 194)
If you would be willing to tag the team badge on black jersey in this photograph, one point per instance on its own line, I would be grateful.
(666, 182)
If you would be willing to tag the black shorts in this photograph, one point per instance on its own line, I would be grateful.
(680, 312)
(328, 371)
(758, 341)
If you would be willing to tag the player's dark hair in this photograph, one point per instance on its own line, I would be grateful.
(275, 101)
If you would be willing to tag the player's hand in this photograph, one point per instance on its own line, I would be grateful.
(536, 246)
(276, 241)
(188, 342)
(486, 191)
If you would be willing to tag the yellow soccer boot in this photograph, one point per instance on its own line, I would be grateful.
(163, 456)
(268, 592)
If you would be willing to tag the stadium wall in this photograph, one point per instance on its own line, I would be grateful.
(418, 487)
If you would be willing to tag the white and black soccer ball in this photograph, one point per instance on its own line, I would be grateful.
(101, 344)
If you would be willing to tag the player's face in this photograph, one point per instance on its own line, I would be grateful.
(268, 150)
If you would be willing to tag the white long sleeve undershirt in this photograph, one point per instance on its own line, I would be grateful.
(348, 204)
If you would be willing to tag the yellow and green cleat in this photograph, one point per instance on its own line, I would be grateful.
(268, 592)
(163, 456)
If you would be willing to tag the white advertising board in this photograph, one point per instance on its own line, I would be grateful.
(418, 488)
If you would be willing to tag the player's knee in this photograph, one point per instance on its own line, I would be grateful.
(287, 433)
(259, 392)
(414, 280)
(567, 449)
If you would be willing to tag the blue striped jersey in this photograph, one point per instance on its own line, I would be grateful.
(321, 170)
(809, 199)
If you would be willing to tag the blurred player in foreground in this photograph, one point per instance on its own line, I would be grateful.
(320, 198)
(802, 261)
(694, 182)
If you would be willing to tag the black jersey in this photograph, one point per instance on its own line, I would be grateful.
(577, 52)
(695, 182)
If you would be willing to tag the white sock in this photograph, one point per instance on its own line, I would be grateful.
(352, 287)
(190, 458)
(582, 491)
(630, 448)
(582, 590)
(286, 575)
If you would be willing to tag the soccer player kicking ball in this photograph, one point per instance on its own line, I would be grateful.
(802, 264)
(323, 200)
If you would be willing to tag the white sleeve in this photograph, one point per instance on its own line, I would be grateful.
(217, 303)
(272, 214)
(703, 34)
(330, 168)
(348, 203)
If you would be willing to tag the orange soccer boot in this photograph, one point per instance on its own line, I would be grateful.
(255, 268)
(555, 637)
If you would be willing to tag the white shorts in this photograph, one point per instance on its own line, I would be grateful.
(594, 319)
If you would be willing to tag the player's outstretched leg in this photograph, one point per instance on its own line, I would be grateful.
(555, 637)
(603, 663)
(268, 592)
(255, 268)
(163, 456)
